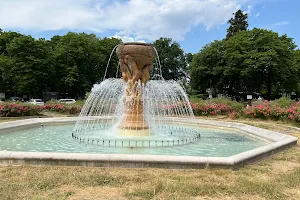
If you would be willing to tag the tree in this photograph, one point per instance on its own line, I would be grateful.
(237, 24)
(106, 45)
(189, 58)
(6, 73)
(263, 61)
(5, 39)
(258, 61)
(80, 61)
(207, 67)
(30, 69)
(296, 72)
(172, 58)
(6, 61)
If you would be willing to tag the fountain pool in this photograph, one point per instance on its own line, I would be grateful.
(56, 138)
(47, 141)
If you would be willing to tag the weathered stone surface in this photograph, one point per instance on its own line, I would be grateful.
(135, 61)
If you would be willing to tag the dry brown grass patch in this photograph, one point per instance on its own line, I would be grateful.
(280, 167)
(95, 193)
(242, 197)
(294, 193)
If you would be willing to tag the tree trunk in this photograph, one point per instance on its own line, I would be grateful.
(269, 90)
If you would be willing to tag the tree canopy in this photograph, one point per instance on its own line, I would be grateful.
(172, 59)
(256, 61)
(68, 64)
(80, 61)
(207, 67)
(251, 61)
(263, 59)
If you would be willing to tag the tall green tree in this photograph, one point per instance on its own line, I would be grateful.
(80, 61)
(6, 74)
(30, 69)
(263, 61)
(106, 45)
(172, 59)
(296, 67)
(6, 62)
(207, 67)
(237, 24)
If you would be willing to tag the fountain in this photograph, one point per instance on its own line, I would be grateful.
(136, 122)
(134, 110)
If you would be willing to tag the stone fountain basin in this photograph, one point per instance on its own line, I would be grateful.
(278, 142)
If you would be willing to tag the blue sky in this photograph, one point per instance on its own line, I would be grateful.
(192, 23)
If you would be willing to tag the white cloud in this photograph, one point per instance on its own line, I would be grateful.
(48, 15)
(249, 10)
(128, 39)
(282, 23)
(143, 19)
(257, 14)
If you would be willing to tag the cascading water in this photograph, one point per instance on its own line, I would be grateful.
(133, 111)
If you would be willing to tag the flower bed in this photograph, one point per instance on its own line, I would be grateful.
(211, 109)
(281, 109)
(276, 110)
(18, 110)
(63, 108)
(23, 109)
(269, 110)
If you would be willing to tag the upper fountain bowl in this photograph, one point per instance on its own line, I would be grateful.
(142, 52)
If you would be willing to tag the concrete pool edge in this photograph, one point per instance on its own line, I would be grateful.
(278, 141)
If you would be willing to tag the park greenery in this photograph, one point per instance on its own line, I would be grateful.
(70, 64)
(255, 61)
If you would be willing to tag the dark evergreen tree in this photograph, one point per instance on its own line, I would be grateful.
(237, 24)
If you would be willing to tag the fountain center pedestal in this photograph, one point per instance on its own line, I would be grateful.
(135, 60)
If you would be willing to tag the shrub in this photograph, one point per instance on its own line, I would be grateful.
(22, 109)
(207, 109)
(283, 102)
(281, 109)
(217, 106)
(288, 110)
(18, 110)
(238, 107)
(63, 108)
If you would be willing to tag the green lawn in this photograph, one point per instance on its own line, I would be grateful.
(277, 177)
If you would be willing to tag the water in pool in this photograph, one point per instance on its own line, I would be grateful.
(213, 143)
